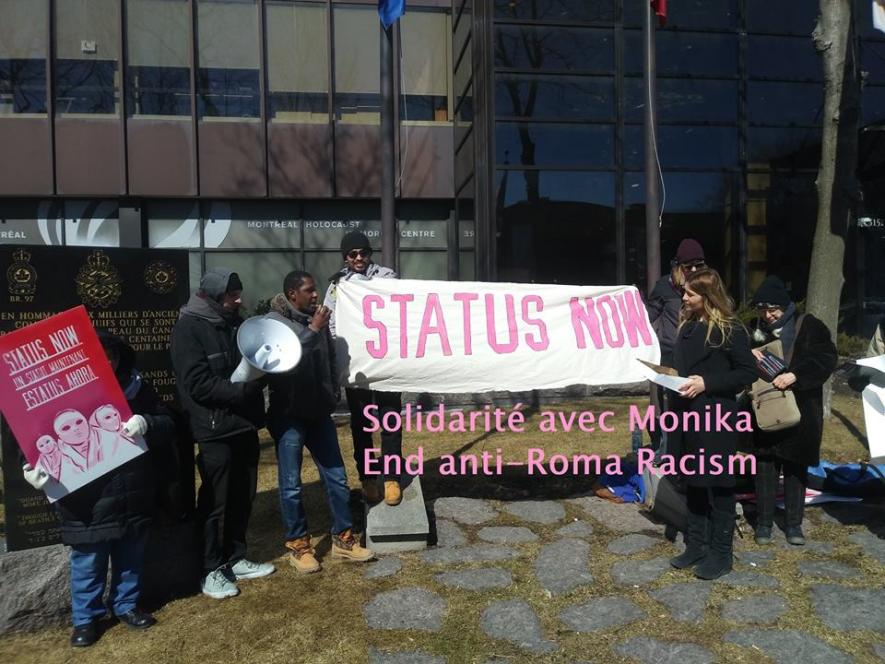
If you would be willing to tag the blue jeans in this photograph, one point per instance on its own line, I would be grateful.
(89, 572)
(321, 439)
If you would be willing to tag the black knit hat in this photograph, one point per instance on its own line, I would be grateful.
(772, 292)
(354, 240)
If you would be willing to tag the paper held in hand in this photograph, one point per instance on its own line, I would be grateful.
(665, 376)
(873, 398)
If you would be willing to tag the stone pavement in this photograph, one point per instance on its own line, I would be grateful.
(542, 579)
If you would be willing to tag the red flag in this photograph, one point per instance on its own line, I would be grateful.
(660, 8)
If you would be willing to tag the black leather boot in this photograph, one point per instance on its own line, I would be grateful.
(766, 487)
(697, 540)
(719, 558)
(794, 506)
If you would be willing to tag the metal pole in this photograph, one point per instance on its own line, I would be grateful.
(388, 152)
(652, 201)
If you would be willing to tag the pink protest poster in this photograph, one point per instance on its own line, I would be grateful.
(60, 397)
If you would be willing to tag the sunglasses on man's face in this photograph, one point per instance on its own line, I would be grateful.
(359, 253)
(693, 265)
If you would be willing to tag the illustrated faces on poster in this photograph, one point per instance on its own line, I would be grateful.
(108, 418)
(71, 427)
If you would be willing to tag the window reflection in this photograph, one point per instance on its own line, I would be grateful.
(784, 103)
(684, 100)
(548, 144)
(788, 58)
(572, 49)
(797, 18)
(689, 53)
(23, 41)
(426, 66)
(357, 77)
(554, 97)
(695, 14)
(783, 147)
(553, 10)
(685, 147)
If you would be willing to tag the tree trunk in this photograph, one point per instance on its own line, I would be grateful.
(837, 189)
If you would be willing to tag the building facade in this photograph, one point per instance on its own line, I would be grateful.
(247, 131)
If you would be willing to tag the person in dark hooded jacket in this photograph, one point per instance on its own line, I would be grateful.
(108, 518)
(224, 419)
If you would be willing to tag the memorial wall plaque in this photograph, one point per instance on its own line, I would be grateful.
(133, 293)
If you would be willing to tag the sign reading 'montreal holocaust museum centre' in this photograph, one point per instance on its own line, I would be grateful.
(133, 293)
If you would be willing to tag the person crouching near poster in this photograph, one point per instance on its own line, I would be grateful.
(712, 350)
(301, 405)
(108, 518)
(808, 346)
(224, 420)
(358, 265)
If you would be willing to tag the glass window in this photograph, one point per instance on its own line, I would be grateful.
(297, 63)
(515, 187)
(797, 18)
(783, 147)
(173, 224)
(464, 166)
(357, 57)
(690, 53)
(873, 102)
(685, 147)
(87, 48)
(788, 58)
(549, 144)
(694, 14)
(466, 266)
(31, 222)
(261, 272)
(227, 82)
(323, 265)
(251, 225)
(92, 224)
(423, 265)
(158, 58)
(551, 49)
(23, 40)
(684, 100)
(562, 232)
(556, 10)
(784, 103)
(425, 39)
(554, 97)
(873, 58)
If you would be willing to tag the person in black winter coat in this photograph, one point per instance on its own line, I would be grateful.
(664, 305)
(224, 419)
(808, 345)
(712, 350)
(108, 518)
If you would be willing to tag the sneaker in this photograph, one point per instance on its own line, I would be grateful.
(346, 547)
(795, 536)
(763, 535)
(393, 495)
(218, 586)
(246, 569)
(302, 556)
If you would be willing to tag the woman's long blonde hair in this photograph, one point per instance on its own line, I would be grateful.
(718, 306)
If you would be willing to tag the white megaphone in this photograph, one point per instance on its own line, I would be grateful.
(268, 344)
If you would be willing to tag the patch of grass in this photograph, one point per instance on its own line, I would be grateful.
(319, 618)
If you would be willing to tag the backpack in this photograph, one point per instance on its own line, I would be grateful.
(861, 480)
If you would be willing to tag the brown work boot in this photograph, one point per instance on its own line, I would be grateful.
(302, 556)
(346, 547)
(393, 495)
(371, 492)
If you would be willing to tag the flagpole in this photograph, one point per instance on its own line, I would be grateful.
(388, 152)
(652, 200)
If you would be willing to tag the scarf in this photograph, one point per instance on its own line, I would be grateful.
(784, 329)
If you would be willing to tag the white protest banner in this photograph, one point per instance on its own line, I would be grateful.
(459, 336)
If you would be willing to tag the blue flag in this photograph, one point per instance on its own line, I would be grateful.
(390, 10)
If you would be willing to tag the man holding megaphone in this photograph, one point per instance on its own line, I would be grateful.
(224, 418)
(302, 401)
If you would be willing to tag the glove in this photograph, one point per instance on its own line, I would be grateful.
(36, 477)
(135, 426)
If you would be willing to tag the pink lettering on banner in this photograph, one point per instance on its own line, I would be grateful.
(513, 338)
(403, 299)
(618, 340)
(635, 319)
(376, 350)
(542, 341)
(433, 309)
(465, 299)
(584, 317)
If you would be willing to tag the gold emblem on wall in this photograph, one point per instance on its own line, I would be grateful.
(21, 275)
(160, 277)
(98, 282)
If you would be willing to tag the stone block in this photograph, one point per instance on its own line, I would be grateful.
(403, 527)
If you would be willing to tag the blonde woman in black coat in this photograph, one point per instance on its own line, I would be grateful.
(813, 358)
(712, 350)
